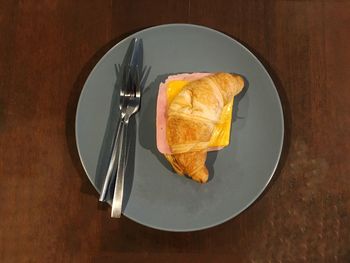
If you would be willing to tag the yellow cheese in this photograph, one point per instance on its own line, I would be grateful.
(174, 87)
(221, 134)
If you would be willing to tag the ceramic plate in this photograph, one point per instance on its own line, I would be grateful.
(154, 195)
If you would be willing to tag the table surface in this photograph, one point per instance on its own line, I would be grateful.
(49, 210)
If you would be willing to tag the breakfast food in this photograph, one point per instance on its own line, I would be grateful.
(194, 116)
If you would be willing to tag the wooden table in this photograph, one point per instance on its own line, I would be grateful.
(49, 210)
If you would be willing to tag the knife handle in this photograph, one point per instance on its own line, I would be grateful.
(122, 160)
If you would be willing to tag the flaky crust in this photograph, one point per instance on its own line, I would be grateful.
(192, 117)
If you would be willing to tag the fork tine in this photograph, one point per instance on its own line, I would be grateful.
(133, 82)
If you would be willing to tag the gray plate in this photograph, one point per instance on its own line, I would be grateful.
(154, 195)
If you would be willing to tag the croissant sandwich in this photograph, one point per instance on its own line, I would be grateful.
(193, 117)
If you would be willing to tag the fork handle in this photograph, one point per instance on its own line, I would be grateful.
(112, 165)
(122, 160)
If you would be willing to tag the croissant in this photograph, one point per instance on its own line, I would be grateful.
(192, 116)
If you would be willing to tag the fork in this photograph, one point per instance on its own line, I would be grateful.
(132, 58)
(130, 102)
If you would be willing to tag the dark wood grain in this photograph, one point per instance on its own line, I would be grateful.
(48, 209)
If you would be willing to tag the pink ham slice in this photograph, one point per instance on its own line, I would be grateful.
(162, 144)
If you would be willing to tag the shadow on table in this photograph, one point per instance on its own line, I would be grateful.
(126, 236)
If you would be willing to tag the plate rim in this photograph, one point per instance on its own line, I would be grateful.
(258, 194)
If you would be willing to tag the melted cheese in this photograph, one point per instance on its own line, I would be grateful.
(221, 134)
